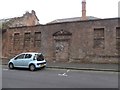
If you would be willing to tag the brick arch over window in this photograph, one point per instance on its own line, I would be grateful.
(62, 40)
(62, 33)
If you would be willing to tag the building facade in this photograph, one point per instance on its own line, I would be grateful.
(28, 19)
(87, 41)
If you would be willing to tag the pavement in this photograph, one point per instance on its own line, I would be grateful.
(79, 66)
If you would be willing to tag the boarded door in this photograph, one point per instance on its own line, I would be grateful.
(62, 50)
(62, 45)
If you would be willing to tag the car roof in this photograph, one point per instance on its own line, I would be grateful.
(31, 53)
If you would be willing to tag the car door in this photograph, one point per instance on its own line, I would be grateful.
(27, 59)
(18, 61)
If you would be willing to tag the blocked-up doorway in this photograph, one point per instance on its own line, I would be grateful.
(62, 45)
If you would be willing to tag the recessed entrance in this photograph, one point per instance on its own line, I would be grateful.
(62, 45)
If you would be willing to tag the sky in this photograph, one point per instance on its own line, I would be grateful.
(49, 10)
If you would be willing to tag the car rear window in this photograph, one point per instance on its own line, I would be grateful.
(40, 57)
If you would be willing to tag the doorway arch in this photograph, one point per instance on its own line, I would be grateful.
(62, 45)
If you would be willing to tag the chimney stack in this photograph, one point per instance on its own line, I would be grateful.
(84, 10)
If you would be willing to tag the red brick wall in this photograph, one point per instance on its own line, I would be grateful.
(81, 47)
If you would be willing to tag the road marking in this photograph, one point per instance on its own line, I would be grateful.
(64, 74)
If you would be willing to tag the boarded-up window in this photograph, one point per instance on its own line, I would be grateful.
(16, 41)
(118, 38)
(27, 38)
(37, 39)
(99, 39)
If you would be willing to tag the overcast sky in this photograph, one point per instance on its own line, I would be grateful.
(49, 10)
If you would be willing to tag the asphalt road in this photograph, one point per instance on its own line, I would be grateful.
(57, 78)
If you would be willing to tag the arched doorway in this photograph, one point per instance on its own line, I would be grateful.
(62, 45)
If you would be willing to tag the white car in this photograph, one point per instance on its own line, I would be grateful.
(29, 60)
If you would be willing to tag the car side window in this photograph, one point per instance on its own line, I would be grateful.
(20, 56)
(28, 56)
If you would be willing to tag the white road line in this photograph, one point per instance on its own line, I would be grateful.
(64, 74)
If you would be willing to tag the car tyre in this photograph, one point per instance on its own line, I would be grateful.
(11, 66)
(32, 67)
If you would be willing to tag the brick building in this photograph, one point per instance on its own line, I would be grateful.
(28, 19)
(80, 40)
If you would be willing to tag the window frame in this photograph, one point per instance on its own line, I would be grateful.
(117, 38)
(100, 39)
(27, 39)
(27, 57)
(16, 41)
(17, 57)
(36, 40)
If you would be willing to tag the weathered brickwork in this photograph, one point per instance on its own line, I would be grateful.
(28, 19)
(92, 41)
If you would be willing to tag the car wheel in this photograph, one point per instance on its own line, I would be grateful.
(11, 66)
(32, 67)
